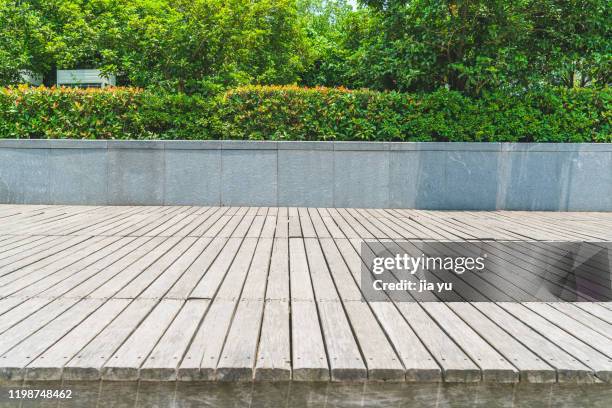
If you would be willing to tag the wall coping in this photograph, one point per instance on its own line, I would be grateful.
(300, 145)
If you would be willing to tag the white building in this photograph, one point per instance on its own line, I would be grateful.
(84, 78)
(29, 77)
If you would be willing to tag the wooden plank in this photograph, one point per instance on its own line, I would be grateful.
(170, 276)
(239, 352)
(86, 251)
(297, 314)
(186, 222)
(589, 336)
(19, 241)
(242, 228)
(392, 248)
(125, 363)
(76, 260)
(172, 220)
(299, 274)
(162, 363)
(255, 283)
(273, 361)
(215, 229)
(142, 219)
(185, 284)
(418, 363)
(232, 225)
(344, 357)
(330, 224)
(388, 232)
(49, 365)
(456, 365)
(203, 355)
(9, 303)
(32, 255)
(19, 312)
(295, 229)
(66, 222)
(322, 282)
(274, 352)
(531, 368)
(13, 362)
(200, 360)
(227, 282)
(201, 216)
(157, 258)
(365, 221)
(33, 225)
(256, 227)
(103, 226)
(269, 226)
(161, 283)
(601, 364)
(345, 361)
(593, 322)
(346, 229)
(93, 224)
(145, 223)
(206, 287)
(382, 362)
(87, 363)
(308, 230)
(343, 279)
(318, 224)
(20, 331)
(278, 277)
(137, 253)
(596, 309)
(282, 227)
(359, 229)
(206, 225)
(308, 350)
(568, 368)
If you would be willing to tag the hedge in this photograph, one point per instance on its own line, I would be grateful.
(293, 113)
(117, 113)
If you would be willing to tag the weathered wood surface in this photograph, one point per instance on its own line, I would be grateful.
(273, 294)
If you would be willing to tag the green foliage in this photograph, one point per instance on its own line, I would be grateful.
(294, 113)
(185, 45)
(23, 36)
(208, 46)
(472, 46)
(118, 113)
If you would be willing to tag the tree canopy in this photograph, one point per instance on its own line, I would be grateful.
(202, 46)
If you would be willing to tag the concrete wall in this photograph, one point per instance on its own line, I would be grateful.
(458, 176)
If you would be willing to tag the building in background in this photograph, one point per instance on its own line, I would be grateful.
(84, 78)
(30, 78)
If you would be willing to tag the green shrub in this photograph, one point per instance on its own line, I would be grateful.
(293, 113)
(117, 113)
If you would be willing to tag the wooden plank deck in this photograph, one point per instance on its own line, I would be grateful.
(273, 294)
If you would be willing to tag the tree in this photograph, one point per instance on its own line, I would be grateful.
(23, 36)
(571, 41)
(325, 22)
(191, 45)
(475, 45)
(207, 44)
(204, 46)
